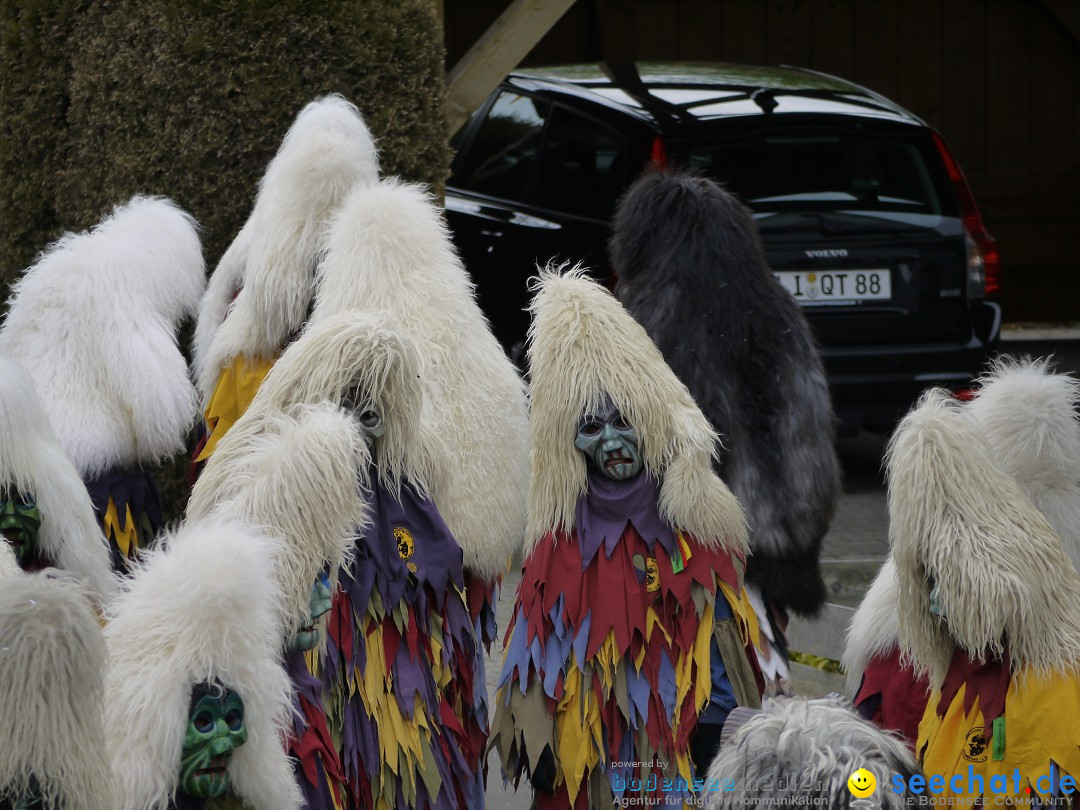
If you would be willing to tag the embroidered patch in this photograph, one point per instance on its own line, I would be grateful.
(652, 575)
(975, 745)
(405, 546)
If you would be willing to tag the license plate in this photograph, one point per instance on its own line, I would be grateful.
(824, 288)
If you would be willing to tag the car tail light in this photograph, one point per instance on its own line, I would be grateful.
(659, 153)
(983, 262)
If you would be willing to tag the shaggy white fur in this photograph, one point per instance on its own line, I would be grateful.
(52, 670)
(389, 249)
(1031, 418)
(296, 479)
(359, 354)
(1028, 416)
(583, 345)
(803, 749)
(874, 629)
(95, 321)
(8, 564)
(326, 152)
(31, 458)
(202, 607)
(1002, 571)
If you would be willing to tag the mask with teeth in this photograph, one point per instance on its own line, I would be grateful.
(609, 442)
(20, 520)
(215, 730)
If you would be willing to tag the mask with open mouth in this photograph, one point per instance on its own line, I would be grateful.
(609, 442)
(20, 520)
(215, 730)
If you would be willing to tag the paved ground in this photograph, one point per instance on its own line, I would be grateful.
(857, 540)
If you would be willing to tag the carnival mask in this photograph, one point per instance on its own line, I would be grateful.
(307, 637)
(215, 730)
(366, 414)
(609, 442)
(20, 520)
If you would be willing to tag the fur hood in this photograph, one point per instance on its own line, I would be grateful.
(9, 566)
(692, 272)
(95, 321)
(1031, 419)
(389, 249)
(1028, 416)
(957, 518)
(30, 458)
(583, 345)
(812, 746)
(53, 671)
(295, 477)
(327, 151)
(202, 607)
(351, 354)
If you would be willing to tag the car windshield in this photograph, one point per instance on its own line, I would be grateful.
(819, 172)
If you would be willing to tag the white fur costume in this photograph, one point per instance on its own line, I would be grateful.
(326, 152)
(294, 476)
(95, 321)
(1028, 416)
(202, 608)
(52, 668)
(388, 248)
(31, 459)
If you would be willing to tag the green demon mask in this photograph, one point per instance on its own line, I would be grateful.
(307, 637)
(20, 520)
(215, 730)
(609, 442)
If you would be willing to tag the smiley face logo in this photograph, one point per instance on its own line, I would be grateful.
(862, 784)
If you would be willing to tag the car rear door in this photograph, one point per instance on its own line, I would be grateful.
(535, 183)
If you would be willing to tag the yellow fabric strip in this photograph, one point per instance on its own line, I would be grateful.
(743, 612)
(1042, 718)
(236, 387)
(128, 540)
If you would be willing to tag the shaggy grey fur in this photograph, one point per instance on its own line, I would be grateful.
(691, 270)
(799, 750)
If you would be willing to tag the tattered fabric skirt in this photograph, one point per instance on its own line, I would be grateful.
(612, 664)
(404, 667)
(128, 508)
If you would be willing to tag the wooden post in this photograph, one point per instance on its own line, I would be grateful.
(496, 53)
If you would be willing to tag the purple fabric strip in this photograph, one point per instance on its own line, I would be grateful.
(603, 511)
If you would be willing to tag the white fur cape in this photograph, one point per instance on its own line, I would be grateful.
(9, 566)
(52, 669)
(1028, 416)
(799, 750)
(30, 458)
(272, 261)
(295, 477)
(1001, 569)
(389, 249)
(583, 345)
(95, 321)
(202, 607)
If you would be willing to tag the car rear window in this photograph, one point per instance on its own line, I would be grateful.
(814, 171)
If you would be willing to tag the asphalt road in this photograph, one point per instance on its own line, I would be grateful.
(852, 551)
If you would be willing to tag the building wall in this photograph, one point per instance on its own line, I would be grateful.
(1000, 79)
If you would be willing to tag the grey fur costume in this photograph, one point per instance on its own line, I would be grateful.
(691, 270)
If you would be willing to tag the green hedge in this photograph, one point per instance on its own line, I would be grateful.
(190, 99)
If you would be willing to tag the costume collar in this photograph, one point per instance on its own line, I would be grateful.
(607, 505)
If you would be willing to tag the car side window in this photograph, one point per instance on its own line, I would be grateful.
(584, 166)
(503, 159)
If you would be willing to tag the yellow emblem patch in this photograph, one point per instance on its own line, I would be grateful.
(652, 575)
(405, 545)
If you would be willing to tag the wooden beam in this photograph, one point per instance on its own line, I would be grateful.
(496, 53)
(1066, 12)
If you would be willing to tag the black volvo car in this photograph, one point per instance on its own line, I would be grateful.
(864, 213)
